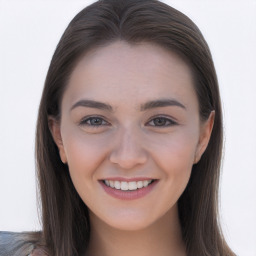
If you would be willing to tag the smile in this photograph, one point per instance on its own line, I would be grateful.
(128, 190)
(124, 185)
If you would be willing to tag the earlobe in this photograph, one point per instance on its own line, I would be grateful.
(205, 135)
(54, 127)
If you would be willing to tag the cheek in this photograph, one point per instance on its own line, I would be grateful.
(175, 152)
(84, 152)
(174, 157)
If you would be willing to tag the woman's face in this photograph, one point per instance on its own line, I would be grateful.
(130, 115)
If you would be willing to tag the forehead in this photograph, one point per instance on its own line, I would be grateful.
(123, 73)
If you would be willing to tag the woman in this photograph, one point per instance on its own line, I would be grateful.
(129, 138)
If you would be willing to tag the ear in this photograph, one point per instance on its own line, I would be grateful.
(205, 135)
(54, 127)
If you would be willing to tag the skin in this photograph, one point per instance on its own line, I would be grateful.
(129, 143)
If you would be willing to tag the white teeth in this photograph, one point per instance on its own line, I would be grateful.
(111, 183)
(132, 185)
(123, 185)
(117, 184)
(139, 184)
(145, 183)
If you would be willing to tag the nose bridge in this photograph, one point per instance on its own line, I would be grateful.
(128, 150)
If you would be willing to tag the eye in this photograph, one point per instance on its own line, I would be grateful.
(94, 121)
(162, 122)
(97, 122)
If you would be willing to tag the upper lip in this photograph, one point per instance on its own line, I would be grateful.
(128, 179)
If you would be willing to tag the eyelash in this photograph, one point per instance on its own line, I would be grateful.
(84, 122)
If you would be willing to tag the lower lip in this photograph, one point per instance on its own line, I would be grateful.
(128, 194)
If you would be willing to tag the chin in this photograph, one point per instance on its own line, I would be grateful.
(130, 225)
(129, 220)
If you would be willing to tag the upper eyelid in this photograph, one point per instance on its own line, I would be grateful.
(165, 117)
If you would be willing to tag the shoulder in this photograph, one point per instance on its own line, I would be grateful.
(19, 244)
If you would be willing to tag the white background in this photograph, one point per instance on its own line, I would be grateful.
(29, 33)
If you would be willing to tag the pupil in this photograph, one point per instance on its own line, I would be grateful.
(159, 121)
(96, 121)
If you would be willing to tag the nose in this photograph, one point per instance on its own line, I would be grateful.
(128, 150)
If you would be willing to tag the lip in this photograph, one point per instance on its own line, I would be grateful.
(128, 195)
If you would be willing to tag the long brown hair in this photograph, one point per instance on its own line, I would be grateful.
(66, 226)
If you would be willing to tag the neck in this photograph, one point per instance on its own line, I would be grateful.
(160, 238)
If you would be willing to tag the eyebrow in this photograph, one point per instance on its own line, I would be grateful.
(146, 106)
